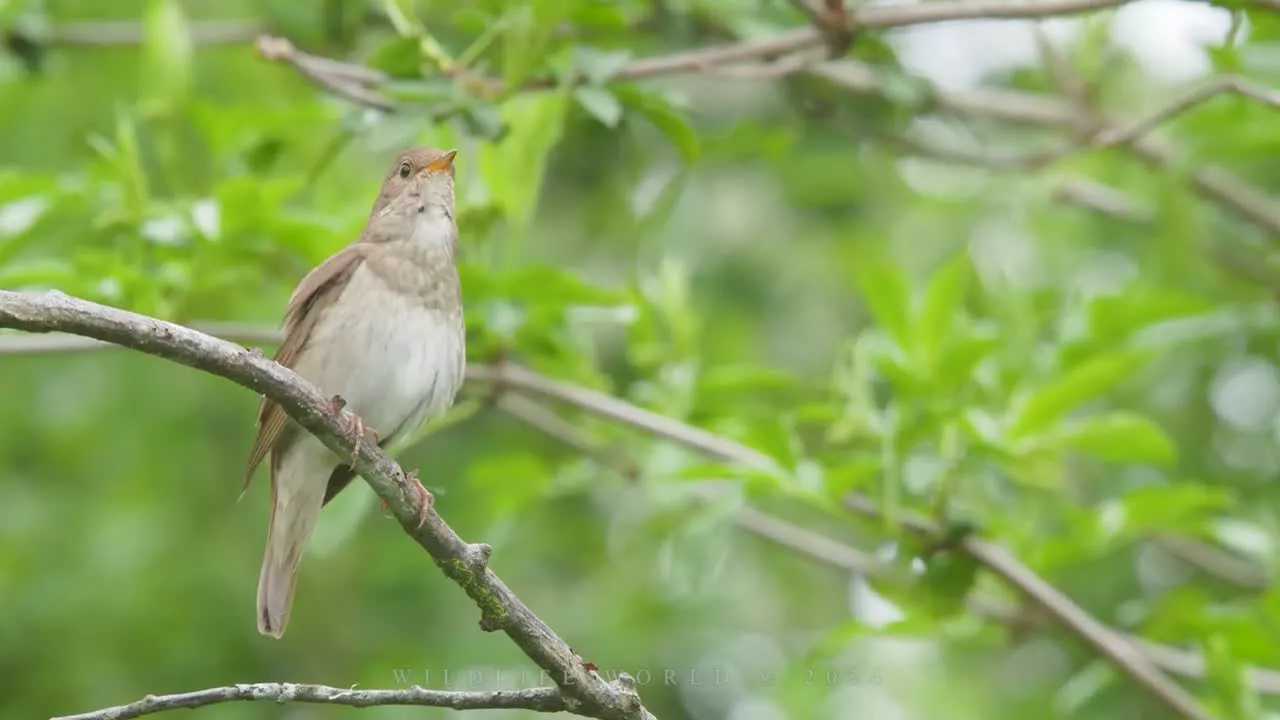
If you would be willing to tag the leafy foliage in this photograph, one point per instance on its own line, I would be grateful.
(753, 256)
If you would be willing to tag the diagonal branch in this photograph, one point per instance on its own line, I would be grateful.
(466, 564)
(346, 80)
(1123, 654)
(1221, 85)
(806, 542)
(511, 385)
(837, 554)
(545, 699)
(125, 32)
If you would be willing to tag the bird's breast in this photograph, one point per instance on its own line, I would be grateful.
(395, 359)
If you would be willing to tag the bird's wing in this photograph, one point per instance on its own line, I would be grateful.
(320, 287)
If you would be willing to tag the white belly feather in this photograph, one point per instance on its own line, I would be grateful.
(395, 362)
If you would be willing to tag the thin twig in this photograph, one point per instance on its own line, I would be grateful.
(123, 32)
(1100, 198)
(1215, 561)
(1209, 181)
(346, 80)
(1122, 653)
(543, 699)
(1192, 98)
(464, 563)
(749, 519)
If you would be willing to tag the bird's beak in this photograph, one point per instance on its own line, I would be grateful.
(443, 163)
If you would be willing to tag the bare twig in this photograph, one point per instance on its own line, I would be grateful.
(215, 32)
(1218, 185)
(1221, 85)
(1004, 105)
(1215, 561)
(786, 53)
(545, 699)
(345, 80)
(804, 542)
(817, 15)
(913, 146)
(784, 43)
(832, 21)
(1124, 654)
(1101, 199)
(466, 564)
(124, 32)
(1209, 181)
(24, 344)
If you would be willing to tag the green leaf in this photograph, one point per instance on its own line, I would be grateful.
(527, 38)
(599, 66)
(1229, 677)
(17, 219)
(855, 474)
(649, 220)
(888, 297)
(400, 13)
(1112, 317)
(1083, 687)
(552, 286)
(948, 576)
(751, 478)
(1121, 437)
(167, 53)
(1078, 385)
(340, 519)
(942, 305)
(511, 481)
(602, 104)
(36, 274)
(513, 168)
(663, 116)
(743, 379)
(1184, 507)
(398, 56)
(964, 355)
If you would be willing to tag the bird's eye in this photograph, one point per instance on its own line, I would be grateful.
(405, 169)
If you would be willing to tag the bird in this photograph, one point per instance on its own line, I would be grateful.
(378, 327)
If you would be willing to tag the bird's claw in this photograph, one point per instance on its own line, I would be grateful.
(424, 496)
(355, 425)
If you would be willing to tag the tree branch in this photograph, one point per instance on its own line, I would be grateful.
(1196, 96)
(545, 699)
(1101, 198)
(511, 384)
(839, 555)
(466, 564)
(125, 32)
(356, 83)
(1123, 654)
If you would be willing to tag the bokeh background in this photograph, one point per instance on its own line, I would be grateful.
(919, 271)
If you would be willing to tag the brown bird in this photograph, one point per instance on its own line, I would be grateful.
(379, 325)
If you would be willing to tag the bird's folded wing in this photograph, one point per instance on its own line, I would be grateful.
(318, 289)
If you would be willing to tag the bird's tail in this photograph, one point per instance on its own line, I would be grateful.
(297, 493)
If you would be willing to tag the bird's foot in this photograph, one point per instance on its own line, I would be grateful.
(355, 425)
(423, 493)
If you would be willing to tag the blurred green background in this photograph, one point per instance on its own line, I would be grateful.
(884, 271)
